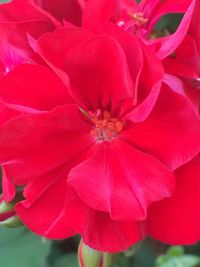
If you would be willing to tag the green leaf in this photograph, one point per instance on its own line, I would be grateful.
(175, 258)
(20, 248)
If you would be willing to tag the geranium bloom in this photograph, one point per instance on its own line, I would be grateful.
(140, 19)
(94, 147)
(39, 16)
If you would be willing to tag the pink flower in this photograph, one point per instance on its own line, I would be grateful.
(97, 142)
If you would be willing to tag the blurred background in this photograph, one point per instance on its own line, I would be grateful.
(21, 248)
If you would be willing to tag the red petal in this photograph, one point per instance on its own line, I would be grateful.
(99, 73)
(65, 215)
(33, 86)
(145, 69)
(131, 45)
(70, 10)
(186, 63)
(49, 140)
(171, 132)
(71, 43)
(20, 11)
(54, 46)
(188, 88)
(147, 7)
(170, 43)
(115, 175)
(104, 234)
(166, 7)
(47, 216)
(10, 57)
(149, 85)
(98, 11)
(23, 16)
(194, 29)
(177, 220)
(8, 187)
(51, 208)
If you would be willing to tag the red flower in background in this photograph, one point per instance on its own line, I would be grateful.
(21, 17)
(140, 19)
(17, 19)
(97, 145)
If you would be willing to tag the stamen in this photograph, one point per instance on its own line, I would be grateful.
(106, 126)
(138, 17)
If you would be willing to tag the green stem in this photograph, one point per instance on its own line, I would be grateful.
(108, 260)
(88, 257)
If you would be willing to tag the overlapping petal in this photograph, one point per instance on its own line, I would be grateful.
(70, 10)
(97, 68)
(49, 140)
(73, 216)
(145, 69)
(17, 18)
(115, 236)
(34, 87)
(176, 220)
(20, 11)
(162, 8)
(171, 42)
(99, 11)
(48, 218)
(116, 176)
(171, 132)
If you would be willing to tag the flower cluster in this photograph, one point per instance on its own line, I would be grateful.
(100, 119)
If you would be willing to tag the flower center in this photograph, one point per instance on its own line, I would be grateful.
(138, 18)
(106, 126)
(133, 22)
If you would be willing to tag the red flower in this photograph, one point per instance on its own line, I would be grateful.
(140, 18)
(96, 146)
(17, 19)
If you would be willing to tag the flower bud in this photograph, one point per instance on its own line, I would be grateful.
(92, 258)
(8, 216)
(5, 206)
